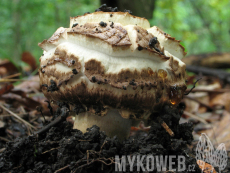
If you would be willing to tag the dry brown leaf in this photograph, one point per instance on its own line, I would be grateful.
(6, 88)
(191, 106)
(20, 98)
(203, 97)
(28, 58)
(205, 167)
(221, 100)
(7, 68)
(29, 86)
(221, 131)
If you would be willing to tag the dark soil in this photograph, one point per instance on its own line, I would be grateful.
(63, 149)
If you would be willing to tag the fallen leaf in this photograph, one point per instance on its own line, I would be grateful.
(28, 58)
(20, 98)
(221, 100)
(29, 86)
(205, 167)
(8, 67)
(221, 131)
(6, 88)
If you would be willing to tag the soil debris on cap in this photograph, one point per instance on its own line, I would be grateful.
(153, 41)
(152, 44)
(104, 8)
(75, 71)
(73, 62)
(103, 24)
(140, 48)
(129, 11)
(112, 25)
(74, 25)
(94, 79)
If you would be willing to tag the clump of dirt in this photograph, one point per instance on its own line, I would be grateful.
(105, 8)
(64, 149)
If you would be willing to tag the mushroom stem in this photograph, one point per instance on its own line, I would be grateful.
(112, 123)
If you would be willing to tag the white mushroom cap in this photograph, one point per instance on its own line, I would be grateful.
(112, 60)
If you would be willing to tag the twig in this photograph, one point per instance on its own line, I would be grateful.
(60, 118)
(49, 107)
(97, 160)
(166, 127)
(61, 169)
(39, 109)
(84, 140)
(105, 141)
(102, 160)
(198, 101)
(210, 91)
(4, 139)
(223, 75)
(11, 76)
(195, 117)
(2, 150)
(16, 80)
(50, 150)
(16, 116)
(194, 85)
(47, 127)
(84, 165)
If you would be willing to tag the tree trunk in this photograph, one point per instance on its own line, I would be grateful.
(141, 8)
(17, 30)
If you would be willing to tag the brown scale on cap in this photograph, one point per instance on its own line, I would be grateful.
(118, 65)
(116, 35)
(143, 39)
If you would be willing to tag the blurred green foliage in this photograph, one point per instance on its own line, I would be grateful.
(202, 25)
(25, 23)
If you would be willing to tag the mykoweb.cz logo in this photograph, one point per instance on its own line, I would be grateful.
(150, 163)
(204, 152)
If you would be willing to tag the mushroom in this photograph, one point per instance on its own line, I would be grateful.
(111, 67)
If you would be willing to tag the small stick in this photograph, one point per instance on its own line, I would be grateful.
(39, 109)
(194, 85)
(60, 118)
(166, 127)
(49, 107)
(16, 80)
(4, 139)
(210, 91)
(16, 116)
(47, 127)
(61, 169)
(2, 150)
(195, 117)
(50, 150)
(11, 76)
